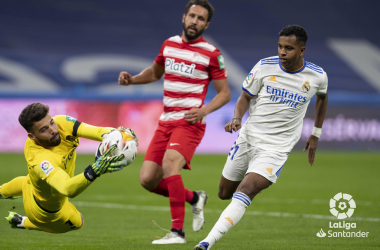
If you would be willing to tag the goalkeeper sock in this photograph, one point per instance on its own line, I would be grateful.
(230, 216)
(12, 188)
(162, 189)
(177, 197)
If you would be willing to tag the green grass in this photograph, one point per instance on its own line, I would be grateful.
(300, 190)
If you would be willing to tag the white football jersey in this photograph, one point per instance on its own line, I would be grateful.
(276, 117)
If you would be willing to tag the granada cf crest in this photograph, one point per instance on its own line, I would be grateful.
(306, 87)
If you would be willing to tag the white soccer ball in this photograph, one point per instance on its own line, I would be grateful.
(125, 142)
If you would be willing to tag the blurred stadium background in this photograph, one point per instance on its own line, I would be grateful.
(68, 54)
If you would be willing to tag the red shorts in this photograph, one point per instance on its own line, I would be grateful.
(180, 136)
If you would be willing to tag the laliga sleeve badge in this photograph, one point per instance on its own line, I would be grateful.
(46, 167)
(250, 77)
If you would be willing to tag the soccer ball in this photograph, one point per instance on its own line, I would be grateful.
(125, 142)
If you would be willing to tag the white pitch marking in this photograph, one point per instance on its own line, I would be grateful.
(217, 211)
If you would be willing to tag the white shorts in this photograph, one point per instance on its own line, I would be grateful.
(245, 158)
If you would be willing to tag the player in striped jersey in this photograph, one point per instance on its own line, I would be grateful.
(189, 63)
(283, 86)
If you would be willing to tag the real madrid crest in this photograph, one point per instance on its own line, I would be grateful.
(306, 87)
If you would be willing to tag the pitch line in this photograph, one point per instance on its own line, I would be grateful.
(216, 211)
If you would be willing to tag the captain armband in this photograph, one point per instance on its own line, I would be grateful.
(317, 132)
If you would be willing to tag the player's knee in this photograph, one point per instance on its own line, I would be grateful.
(224, 195)
(146, 183)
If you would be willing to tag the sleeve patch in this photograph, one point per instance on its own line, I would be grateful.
(46, 167)
(250, 77)
(221, 62)
(70, 119)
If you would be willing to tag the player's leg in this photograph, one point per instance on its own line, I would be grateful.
(173, 162)
(16, 220)
(251, 185)
(264, 169)
(234, 169)
(151, 175)
(12, 189)
(227, 188)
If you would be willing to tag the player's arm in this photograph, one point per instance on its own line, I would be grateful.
(148, 75)
(241, 107)
(93, 132)
(223, 97)
(71, 187)
(320, 111)
(67, 186)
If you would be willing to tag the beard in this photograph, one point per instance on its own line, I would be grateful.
(50, 142)
(189, 37)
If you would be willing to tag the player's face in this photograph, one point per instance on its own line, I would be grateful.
(45, 132)
(195, 22)
(290, 52)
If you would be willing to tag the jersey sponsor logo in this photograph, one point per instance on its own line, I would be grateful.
(221, 62)
(272, 78)
(46, 167)
(184, 69)
(173, 144)
(70, 119)
(285, 97)
(250, 77)
(306, 87)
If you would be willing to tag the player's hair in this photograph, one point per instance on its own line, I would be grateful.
(204, 3)
(31, 114)
(296, 30)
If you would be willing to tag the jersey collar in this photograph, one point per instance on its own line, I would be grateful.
(293, 72)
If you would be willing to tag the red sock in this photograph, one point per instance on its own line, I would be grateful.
(162, 189)
(177, 196)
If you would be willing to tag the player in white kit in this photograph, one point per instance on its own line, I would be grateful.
(283, 86)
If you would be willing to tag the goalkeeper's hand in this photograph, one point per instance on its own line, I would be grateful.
(130, 132)
(105, 165)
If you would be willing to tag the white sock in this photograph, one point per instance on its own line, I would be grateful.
(230, 216)
(21, 225)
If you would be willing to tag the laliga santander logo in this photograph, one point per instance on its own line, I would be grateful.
(45, 165)
(342, 206)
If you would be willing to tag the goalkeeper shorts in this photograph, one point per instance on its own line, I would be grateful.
(66, 219)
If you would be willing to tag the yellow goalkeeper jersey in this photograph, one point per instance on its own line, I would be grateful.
(44, 163)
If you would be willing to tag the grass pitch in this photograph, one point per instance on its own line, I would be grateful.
(118, 212)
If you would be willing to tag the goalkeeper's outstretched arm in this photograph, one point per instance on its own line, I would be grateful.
(71, 187)
(93, 132)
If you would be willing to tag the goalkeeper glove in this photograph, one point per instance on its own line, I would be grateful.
(130, 132)
(105, 164)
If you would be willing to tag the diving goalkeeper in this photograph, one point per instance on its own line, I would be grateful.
(50, 152)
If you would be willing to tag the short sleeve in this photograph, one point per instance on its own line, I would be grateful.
(67, 123)
(252, 83)
(322, 90)
(46, 165)
(160, 57)
(217, 68)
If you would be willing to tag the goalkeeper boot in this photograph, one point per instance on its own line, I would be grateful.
(16, 220)
(202, 246)
(197, 208)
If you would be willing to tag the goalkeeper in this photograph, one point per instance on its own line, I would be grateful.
(50, 152)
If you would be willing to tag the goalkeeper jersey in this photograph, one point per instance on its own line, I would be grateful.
(44, 163)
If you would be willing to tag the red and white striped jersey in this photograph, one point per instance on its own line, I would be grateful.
(189, 68)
